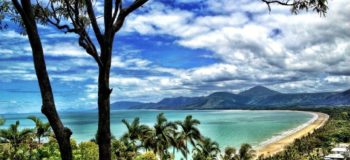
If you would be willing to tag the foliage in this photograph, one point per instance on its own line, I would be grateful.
(42, 129)
(147, 156)
(88, 151)
(229, 154)
(135, 130)
(207, 148)
(14, 136)
(142, 142)
(123, 149)
(2, 121)
(4, 8)
(316, 145)
(319, 6)
(164, 132)
(191, 132)
(246, 152)
(79, 17)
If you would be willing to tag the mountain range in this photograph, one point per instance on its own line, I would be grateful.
(256, 97)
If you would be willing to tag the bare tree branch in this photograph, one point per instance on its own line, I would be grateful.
(134, 6)
(87, 44)
(118, 7)
(20, 10)
(93, 21)
(108, 7)
(286, 3)
(78, 27)
(125, 12)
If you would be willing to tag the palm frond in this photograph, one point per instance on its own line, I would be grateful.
(2, 121)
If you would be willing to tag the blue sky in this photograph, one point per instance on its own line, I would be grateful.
(186, 48)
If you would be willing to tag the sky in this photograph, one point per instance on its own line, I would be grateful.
(171, 48)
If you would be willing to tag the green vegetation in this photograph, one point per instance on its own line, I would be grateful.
(78, 17)
(208, 149)
(41, 129)
(2, 121)
(165, 138)
(140, 142)
(315, 146)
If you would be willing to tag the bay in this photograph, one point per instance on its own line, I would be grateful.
(227, 127)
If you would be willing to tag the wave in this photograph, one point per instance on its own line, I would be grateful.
(288, 132)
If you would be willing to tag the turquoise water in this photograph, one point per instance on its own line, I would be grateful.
(227, 127)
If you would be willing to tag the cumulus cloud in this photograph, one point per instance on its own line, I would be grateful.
(254, 45)
(247, 46)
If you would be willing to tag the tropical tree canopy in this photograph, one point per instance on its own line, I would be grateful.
(207, 148)
(42, 129)
(229, 154)
(246, 152)
(164, 134)
(135, 130)
(77, 16)
(14, 135)
(2, 121)
(190, 130)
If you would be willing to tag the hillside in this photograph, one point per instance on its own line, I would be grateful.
(256, 97)
(342, 98)
(124, 105)
(259, 91)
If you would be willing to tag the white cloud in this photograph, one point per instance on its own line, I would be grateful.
(9, 34)
(255, 46)
(6, 51)
(64, 49)
(291, 53)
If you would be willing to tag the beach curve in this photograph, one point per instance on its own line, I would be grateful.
(277, 144)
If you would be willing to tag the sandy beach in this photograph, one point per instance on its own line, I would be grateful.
(276, 145)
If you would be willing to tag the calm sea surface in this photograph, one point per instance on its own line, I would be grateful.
(227, 127)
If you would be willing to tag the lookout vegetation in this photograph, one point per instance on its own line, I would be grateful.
(76, 17)
(141, 142)
(167, 139)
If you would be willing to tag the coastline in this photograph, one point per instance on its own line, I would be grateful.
(277, 144)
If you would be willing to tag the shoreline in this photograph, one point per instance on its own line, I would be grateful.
(277, 143)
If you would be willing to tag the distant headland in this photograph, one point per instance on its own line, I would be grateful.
(258, 97)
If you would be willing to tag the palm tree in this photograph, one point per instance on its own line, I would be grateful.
(347, 154)
(42, 129)
(207, 148)
(136, 133)
(246, 152)
(163, 135)
(2, 121)
(147, 138)
(123, 149)
(135, 130)
(230, 154)
(14, 136)
(179, 144)
(149, 141)
(190, 130)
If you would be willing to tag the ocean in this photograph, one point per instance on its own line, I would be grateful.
(227, 127)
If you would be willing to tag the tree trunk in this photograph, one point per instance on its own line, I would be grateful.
(48, 104)
(104, 131)
(174, 152)
(187, 148)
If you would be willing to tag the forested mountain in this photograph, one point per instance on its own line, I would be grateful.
(256, 97)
